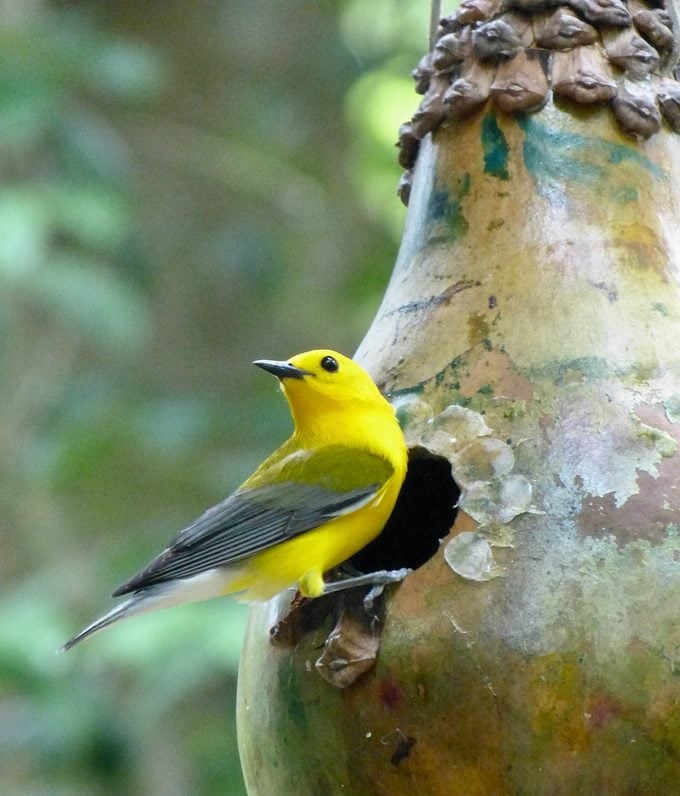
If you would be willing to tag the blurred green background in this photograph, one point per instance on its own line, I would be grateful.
(185, 187)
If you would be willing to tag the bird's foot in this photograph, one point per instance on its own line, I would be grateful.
(377, 581)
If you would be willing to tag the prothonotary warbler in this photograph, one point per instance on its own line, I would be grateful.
(317, 500)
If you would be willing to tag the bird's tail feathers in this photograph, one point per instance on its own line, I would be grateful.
(119, 612)
(213, 583)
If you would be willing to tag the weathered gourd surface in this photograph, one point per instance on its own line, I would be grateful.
(531, 336)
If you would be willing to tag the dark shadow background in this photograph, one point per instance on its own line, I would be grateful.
(184, 187)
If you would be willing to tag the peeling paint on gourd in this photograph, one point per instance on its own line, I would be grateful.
(482, 466)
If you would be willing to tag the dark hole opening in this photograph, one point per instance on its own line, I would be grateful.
(423, 514)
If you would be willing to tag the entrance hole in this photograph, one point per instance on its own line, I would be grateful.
(423, 514)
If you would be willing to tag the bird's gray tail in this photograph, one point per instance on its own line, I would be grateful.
(204, 586)
(130, 606)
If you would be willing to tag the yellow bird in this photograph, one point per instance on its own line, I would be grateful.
(317, 500)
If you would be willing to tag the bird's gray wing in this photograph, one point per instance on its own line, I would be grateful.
(247, 522)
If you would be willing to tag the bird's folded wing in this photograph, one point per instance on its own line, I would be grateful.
(254, 519)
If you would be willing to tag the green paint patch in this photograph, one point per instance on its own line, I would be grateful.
(662, 309)
(659, 439)
(554, 157)
(578, 369)
(416, 389)
(619, 153)
(444, 213)
(438, 379)
(672, 408)
(515, 410)
(410, 410)
(495, 148)
(446, 384)
(640, 372)
(457, 362)
(624, 194)
(289, 687)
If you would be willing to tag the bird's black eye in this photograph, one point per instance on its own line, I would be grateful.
(330, 364)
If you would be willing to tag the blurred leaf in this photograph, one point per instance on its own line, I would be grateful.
(172, 424)
(127, 70)
(24, 231)
(181, 643)
(27, 108)
(32, 654)
(239, 252)
(93, 216)
(101, 308)
(51, 54)
(30, 219)
(382, 27)
(379, 102)
(41, 68)
(376, 106)
(92, 147)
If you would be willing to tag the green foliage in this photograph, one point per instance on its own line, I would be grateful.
(179, 194)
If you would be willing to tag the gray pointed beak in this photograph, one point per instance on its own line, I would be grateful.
(282, 370)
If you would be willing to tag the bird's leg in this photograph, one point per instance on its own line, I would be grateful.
(377, 580)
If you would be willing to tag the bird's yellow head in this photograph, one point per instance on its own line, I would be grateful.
(320, 382)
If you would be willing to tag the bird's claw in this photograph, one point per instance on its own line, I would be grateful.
(382, 579)
(376, 580)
